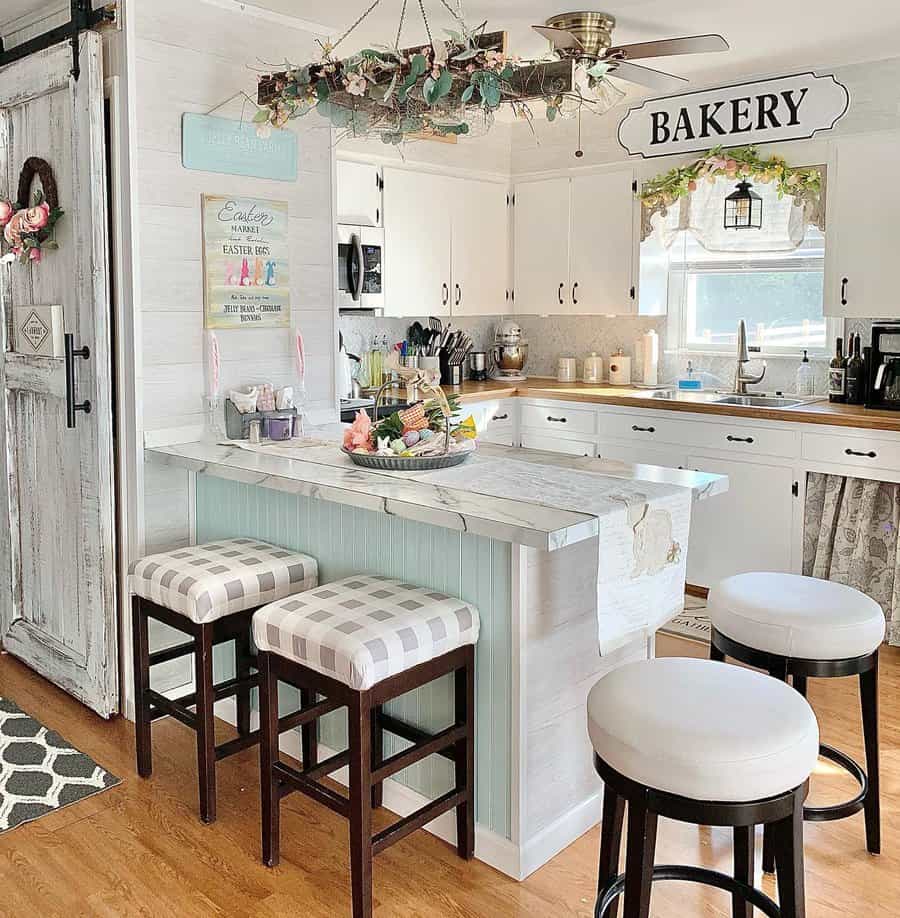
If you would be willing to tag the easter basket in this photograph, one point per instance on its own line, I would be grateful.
(408, 463)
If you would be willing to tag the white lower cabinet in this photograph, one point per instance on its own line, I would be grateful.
(749, 528)
(670, 457)
(549, 443)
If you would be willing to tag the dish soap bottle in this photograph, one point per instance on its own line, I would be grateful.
(806, 377)
(689, 381)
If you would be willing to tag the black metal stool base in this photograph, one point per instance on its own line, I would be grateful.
(750, 894)
(800, 670)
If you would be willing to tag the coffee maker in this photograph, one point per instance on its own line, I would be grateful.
(884, 368)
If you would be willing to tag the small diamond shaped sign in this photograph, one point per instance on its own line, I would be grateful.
(34, 331)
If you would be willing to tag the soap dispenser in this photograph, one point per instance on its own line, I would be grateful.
(806, 377)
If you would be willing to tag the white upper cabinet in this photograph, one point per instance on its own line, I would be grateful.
(358, 193)
(863, 235)
(575, 245)
(417, 239)
(542, 223)
(602, 243)
(479, 248)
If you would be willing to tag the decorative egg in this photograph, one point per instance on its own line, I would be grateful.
(426, 434)
(398, 446)
(411, 437)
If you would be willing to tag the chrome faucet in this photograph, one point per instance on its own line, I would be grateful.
(743, 356)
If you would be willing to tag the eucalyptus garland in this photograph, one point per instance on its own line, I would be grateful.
(803, 184)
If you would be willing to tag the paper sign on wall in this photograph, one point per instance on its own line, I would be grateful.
(786, 108)
(220, 145)
(245, 263)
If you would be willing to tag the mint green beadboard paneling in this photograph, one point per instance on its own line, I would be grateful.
(347, 540)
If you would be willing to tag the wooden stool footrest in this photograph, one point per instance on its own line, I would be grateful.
(172, 653)
(160, 706)
(293, 780)
(408, 732)
(436, 744)
(418, 819)
(238, 744)
(308, 714)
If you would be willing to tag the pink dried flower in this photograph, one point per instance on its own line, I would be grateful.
(6, 212)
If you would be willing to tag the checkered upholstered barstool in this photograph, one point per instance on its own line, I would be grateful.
(804, 627)
(703, 743)
(359, 643)
(209, 593)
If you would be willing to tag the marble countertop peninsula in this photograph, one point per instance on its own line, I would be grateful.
(494, 494)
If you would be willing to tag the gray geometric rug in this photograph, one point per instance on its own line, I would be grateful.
(39, 771)
(692, 623)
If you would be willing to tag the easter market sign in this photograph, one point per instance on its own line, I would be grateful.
(245, 263)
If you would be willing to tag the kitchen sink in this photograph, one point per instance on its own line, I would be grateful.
(760, 401)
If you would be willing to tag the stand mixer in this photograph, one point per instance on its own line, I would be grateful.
(509, 352)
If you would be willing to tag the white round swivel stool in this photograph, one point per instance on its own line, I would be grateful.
(800, 627)
(708, 744)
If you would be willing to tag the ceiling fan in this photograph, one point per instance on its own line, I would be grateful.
(586, 37)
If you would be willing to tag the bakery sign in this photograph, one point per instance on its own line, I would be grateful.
(767, 111)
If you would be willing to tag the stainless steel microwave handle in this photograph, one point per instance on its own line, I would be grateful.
(879, 377)
(355, 279)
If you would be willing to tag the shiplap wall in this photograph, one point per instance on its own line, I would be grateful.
(191, 57)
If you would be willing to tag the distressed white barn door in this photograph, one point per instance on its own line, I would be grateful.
(57, 553)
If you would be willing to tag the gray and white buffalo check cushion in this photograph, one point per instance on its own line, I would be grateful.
(208, 582)
(363, 629)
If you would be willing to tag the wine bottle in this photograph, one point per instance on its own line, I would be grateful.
(837, 375)
(856, 390)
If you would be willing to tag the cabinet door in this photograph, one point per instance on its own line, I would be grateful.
(746, 529)
(863, 234)
(542, 247)
(670, 457)
(358, 193)
(479, 248)
(550, 444)
(417, 209)
(602, 244)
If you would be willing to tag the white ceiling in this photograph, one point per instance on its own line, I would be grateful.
(765, 38)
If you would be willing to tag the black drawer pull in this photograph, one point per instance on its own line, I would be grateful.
(637, 429)
(500, 417)
(739, 439)
(556, 420)
(855, 452)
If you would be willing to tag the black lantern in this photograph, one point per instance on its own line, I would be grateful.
(743, 208)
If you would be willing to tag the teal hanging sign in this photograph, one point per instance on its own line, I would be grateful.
(212, 144)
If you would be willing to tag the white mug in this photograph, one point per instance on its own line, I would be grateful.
(566, 369)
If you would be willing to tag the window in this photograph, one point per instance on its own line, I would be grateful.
(780, 295)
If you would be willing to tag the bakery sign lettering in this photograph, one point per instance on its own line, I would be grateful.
(765, 111)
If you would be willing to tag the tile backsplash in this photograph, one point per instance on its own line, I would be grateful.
(551, 337)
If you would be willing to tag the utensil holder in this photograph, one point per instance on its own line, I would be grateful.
(237, 425)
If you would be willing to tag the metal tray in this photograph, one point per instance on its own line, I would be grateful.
(407, 463)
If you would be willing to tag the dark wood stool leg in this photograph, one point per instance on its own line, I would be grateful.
(800, 684)
(769, 844)
(206, 728)
(360, 728)
(789, 862)
(309, 733)
(868, 687)
(243, 659)
(610, 843)
(716, 654)
(639, 859)
(268, 756)
(141, 640)
(744, 868)
(377, 757)
(465, 757)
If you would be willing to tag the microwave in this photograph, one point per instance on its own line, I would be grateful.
(360, 264)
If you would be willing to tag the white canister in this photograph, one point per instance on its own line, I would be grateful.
(567, 369)
(593, 368)
(650, 350)
(620, 369)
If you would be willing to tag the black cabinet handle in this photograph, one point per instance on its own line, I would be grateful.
(559, 294)
(71, 405)
(844, 282)
(500, 417)
(458, 294)
(445, 294)
(637, 429)
(556, 420)
(377, 215)
(731, 439)
(855, 452)
(574, 293)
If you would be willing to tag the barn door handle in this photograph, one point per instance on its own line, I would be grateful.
(844, 282)
(71, 405)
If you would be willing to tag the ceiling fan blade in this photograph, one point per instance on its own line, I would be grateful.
(645, 76)
(561, 39)
(692, 44)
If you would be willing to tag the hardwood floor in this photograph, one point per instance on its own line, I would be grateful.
(139, 848)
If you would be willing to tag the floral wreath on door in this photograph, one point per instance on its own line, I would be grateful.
(29, 229)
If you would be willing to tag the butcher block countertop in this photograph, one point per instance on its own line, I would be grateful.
(820, 412)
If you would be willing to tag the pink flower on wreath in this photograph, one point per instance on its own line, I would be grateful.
(6, 212)
(14, 229)
(35, 254)
(36, 218)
